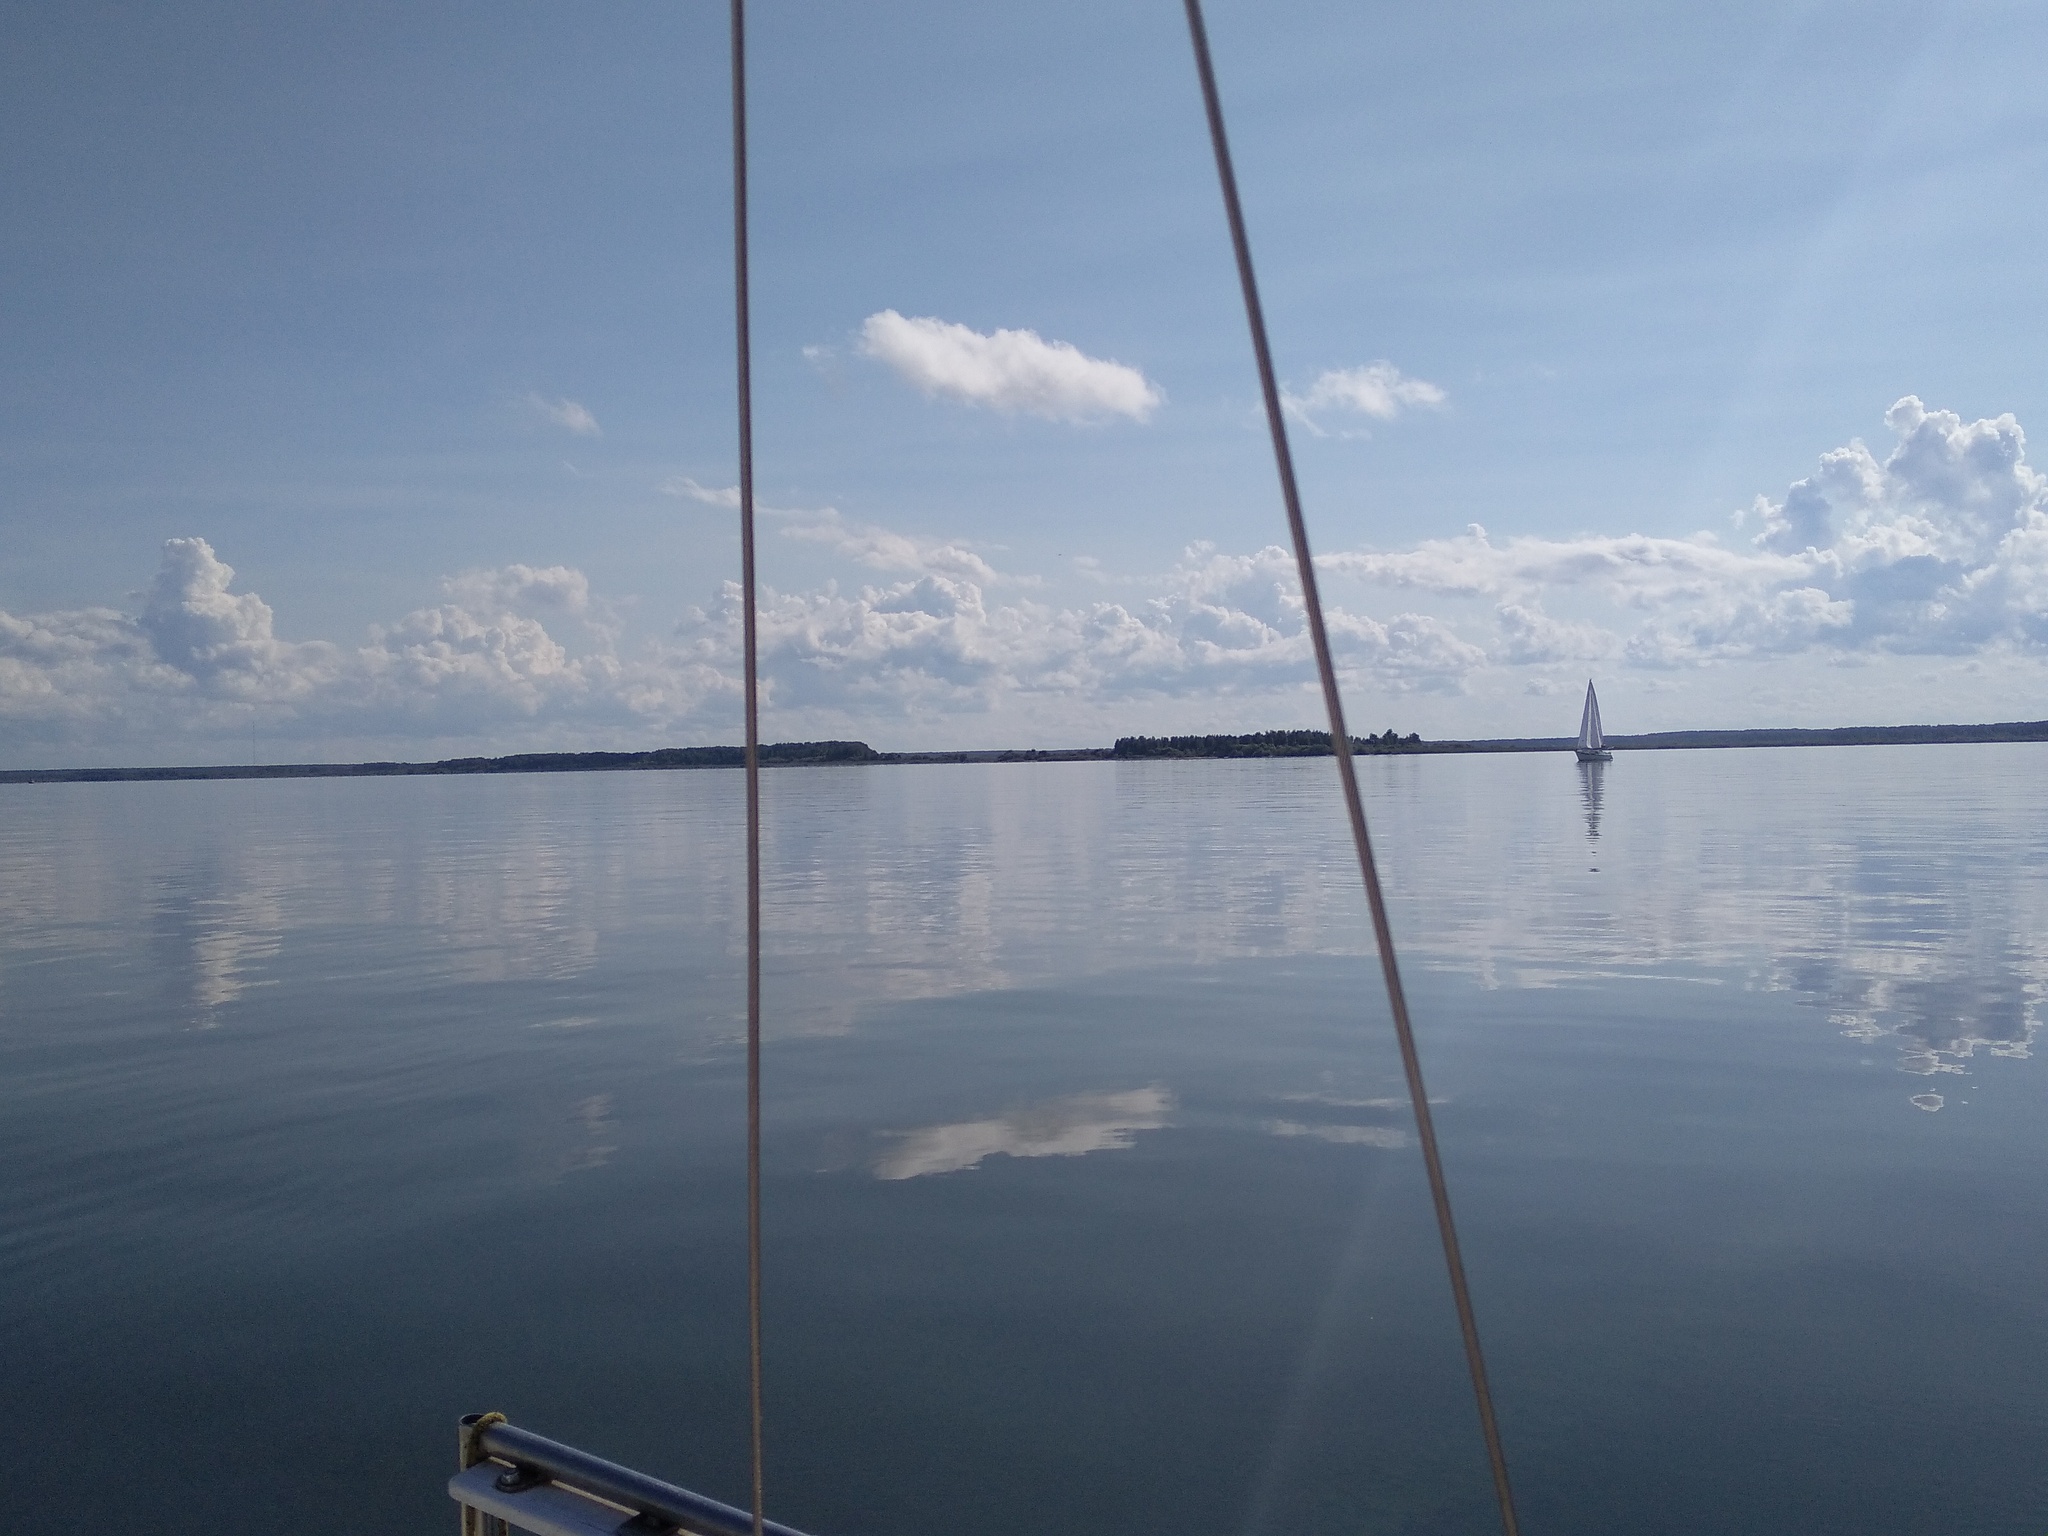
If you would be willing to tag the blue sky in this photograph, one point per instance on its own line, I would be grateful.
(418, 319)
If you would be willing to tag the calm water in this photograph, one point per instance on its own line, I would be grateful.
(331, 1110)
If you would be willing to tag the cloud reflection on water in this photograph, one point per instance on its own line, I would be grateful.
(1900, 892)
(1897, 891)
(1343, 1135)
(213, 936)
(1071, 1126)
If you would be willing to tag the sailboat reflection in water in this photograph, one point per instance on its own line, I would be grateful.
(1592, 747)
(1590, 787)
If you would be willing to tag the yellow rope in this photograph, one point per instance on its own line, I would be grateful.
(476, 1434)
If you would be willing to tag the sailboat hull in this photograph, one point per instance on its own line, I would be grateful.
(1594, 755)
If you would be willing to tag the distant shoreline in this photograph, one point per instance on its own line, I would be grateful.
(1129, 749)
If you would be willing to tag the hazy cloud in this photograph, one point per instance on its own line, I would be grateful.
(1377, 390)
(683, 488)
(1529, 635)
(521, 588)
(566, 413)
(883, 549)
(1011, 371)
(1637, 569)
(686, 489)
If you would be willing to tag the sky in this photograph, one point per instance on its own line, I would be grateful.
(367, 372)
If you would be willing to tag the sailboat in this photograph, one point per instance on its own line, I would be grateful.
(1592, 746)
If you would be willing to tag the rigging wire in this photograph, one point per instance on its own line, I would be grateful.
(744, 350)
(1347, 769)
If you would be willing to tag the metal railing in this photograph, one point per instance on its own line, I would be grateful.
(512, 1480)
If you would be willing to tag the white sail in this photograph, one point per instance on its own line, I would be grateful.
(1589, 723)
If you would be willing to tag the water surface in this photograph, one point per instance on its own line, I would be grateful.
(333, 1109)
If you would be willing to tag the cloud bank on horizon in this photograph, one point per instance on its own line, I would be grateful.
(1938, 549)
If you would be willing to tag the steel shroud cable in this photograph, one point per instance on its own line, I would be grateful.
(1347, 770)
(744, 348)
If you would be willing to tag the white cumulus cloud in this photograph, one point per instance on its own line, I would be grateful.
(202, 661)
(1939, 547)
(1012, 371)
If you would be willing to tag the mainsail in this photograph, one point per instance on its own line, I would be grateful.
(1589, 723)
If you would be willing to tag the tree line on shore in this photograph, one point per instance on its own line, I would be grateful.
(1254, 744)
(1259, 744)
